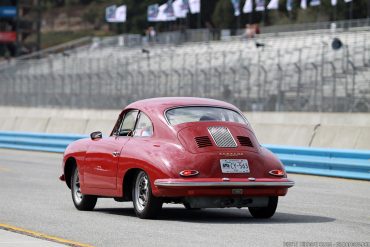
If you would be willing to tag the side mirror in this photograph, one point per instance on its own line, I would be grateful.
(96, 135)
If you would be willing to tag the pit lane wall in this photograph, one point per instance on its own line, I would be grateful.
(329, 144)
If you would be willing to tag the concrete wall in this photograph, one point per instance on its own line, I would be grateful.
(51, 120)
(284, 134)
(337, 130)
(360, 119)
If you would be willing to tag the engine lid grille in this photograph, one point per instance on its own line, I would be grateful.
(222, 137)
(245, 141)
(203, 141)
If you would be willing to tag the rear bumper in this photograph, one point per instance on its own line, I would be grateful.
(172, 183)
(218, 187)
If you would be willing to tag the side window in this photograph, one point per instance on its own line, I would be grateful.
(144, 126)
(128, 123)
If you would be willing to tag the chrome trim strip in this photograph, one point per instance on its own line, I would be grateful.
(222, 184)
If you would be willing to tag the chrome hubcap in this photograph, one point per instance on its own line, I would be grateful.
(77, 191)
(141, 191)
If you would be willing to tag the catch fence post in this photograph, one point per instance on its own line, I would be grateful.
(299, 84)
(353, 91)
(280, 93)
(334, 88)
(315, 85)
(217, 94)
(178, 83)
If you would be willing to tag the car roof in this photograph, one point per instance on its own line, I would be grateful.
(161, 104)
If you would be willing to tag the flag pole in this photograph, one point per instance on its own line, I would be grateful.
(368, 11)
(317, 13)
(187, 21)
(238, 24)
(199, 20)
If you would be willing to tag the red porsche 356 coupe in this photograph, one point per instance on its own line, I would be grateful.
(198, 152)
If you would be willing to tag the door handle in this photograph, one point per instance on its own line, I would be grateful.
(115, 154)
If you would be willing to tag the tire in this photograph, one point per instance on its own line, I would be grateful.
(146, 205)
(82, 202)
(265, 212)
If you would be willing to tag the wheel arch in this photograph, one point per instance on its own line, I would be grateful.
(70, 164)
(129, 168)
(128, 181)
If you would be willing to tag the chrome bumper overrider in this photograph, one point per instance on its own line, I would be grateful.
(169, 183)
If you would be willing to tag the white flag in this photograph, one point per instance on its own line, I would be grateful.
(273, 4)
(153, 11)
(165, 13)
(181, 8)
(236, 5)
(333, 2)
(115, 14)
(248, 6)
(315, 3)
(121, 13)
(110, 13)
(260, 5)
(194, 6)
(289, 5)
(303, 4)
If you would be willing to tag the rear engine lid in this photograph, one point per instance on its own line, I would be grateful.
(217, 137)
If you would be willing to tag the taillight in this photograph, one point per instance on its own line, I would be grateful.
(189, 173)
(277, 173)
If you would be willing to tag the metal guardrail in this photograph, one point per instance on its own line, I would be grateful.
(352, 164)
(345, 163)
(37, 141)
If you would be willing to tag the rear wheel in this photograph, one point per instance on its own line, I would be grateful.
(81, 201)
(265, 212)
(146, 205)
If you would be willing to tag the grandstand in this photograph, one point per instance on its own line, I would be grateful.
(291, 71)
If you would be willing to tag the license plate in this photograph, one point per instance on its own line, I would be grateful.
(234, 166)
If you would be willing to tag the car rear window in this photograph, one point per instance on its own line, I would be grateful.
(203, 113)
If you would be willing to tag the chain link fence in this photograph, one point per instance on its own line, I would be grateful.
(296, 72)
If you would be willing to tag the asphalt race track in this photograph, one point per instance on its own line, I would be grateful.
(317, 209)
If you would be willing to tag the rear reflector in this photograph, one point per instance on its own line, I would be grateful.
(189, 173)
(277, 173)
